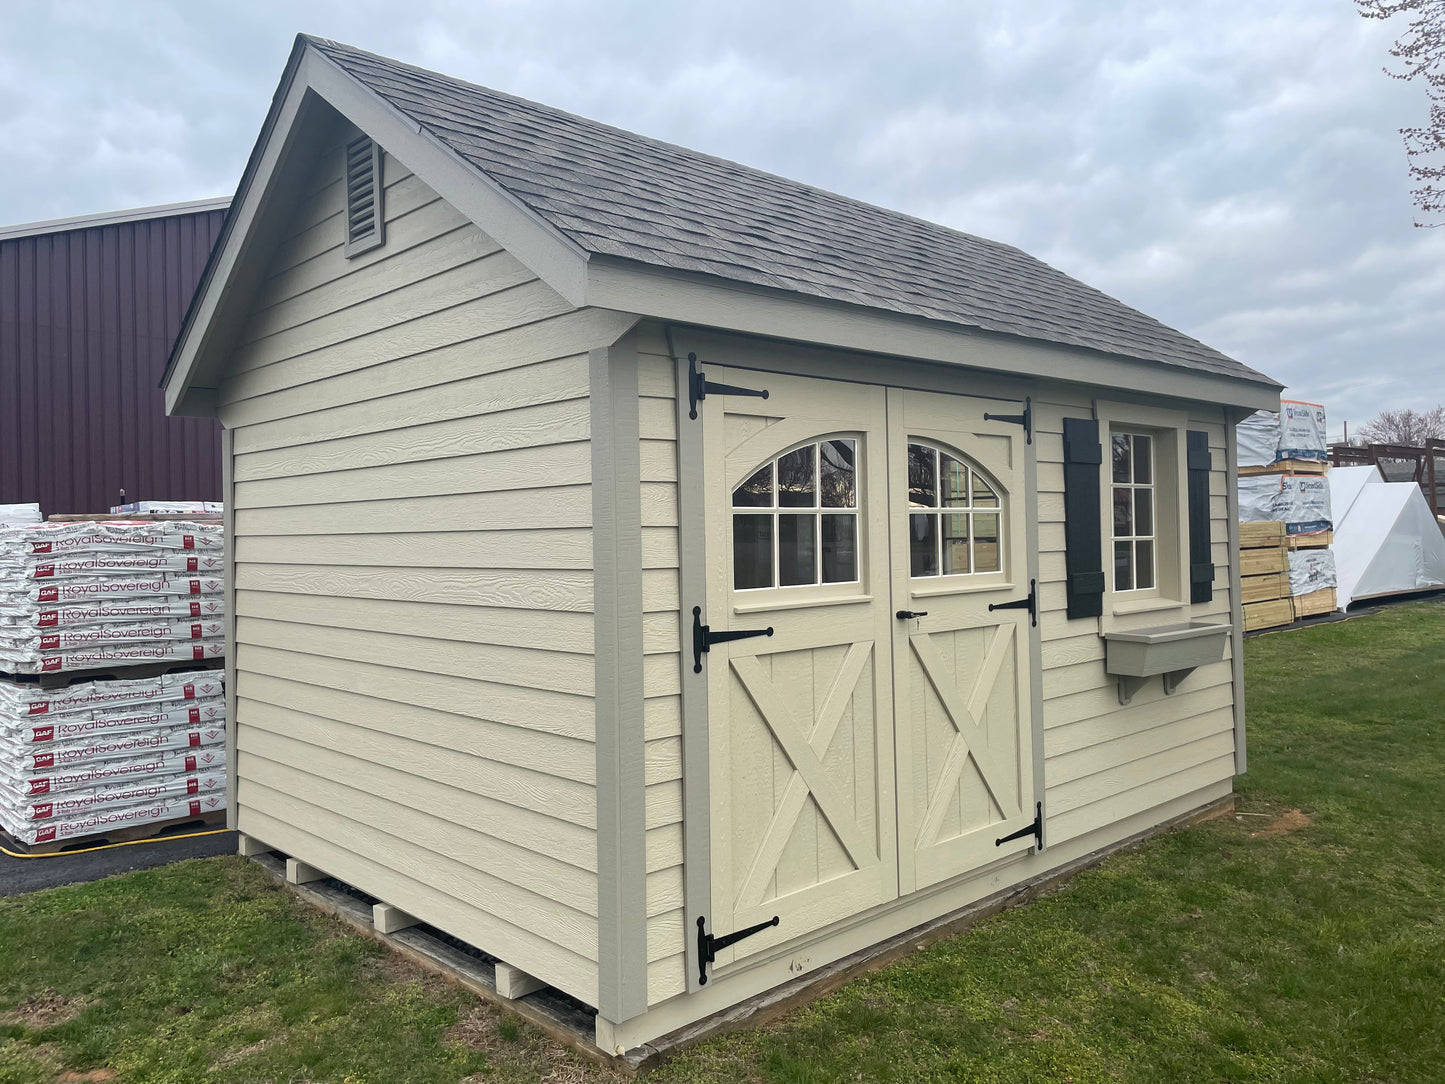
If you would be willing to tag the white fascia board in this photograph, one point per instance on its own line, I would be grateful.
(195, 334)
(552, 257)
(679, 297)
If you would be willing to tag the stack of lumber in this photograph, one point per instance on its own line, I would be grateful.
(1264, 575)
(96, 756)
(1282, 481)
(81, 596)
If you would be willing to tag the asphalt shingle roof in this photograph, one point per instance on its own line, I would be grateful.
(614, 193)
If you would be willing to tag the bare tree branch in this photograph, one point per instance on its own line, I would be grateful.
(1405, 426)
(1421, 51)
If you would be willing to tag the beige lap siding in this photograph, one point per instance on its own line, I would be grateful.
(414, 671)
(1103, 762)
(662, 639)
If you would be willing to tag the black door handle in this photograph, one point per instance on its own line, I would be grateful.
(909, 615)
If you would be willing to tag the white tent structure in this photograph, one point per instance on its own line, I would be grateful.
(1386, 541)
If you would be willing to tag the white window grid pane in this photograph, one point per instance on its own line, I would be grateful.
(816, 511)
(1134, 537)
(967, 509)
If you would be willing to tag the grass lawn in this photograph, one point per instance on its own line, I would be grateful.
(1304, 943)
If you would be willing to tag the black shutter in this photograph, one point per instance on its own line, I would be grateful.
(1201, 567)
(1084, 556)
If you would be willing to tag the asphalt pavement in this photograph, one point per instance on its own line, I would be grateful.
(19, 875)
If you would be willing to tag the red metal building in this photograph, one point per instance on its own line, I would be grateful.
(89, 308)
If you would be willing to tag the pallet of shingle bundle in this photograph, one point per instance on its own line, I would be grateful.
(106, 595)
(106, 821)
(102, 633)
(105, 773)
(70, 805)
(100, 755)
(25, 701)
(62, 539)
(25, 759)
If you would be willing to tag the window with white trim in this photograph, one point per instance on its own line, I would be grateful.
(954, 516)
(795, 519)
(1132, 463)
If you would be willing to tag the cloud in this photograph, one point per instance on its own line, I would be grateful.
(1230, 167)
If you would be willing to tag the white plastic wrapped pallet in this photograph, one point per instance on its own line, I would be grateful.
(1300, 501)
(1296, 432)
(1311, 570)
(16, 515)
(1258, 439)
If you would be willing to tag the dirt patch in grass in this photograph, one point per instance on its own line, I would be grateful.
(45, 1010)
(476, 1030)
(395, 969)
(94, 1076)
(240, 1054)
(1291, 820)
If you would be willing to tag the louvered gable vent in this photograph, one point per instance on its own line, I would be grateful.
(363, 196)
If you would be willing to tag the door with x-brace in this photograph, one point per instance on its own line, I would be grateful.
(962, 717)
(800, 723)
(858, 750)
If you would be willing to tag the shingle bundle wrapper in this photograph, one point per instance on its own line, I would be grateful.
(82, 760)
(76, 596)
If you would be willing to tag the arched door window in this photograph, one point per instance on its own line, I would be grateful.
(955, 515)
(795, 519)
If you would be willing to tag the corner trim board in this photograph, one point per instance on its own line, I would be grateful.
(228, 588)
(620, 734)
(1236, 599)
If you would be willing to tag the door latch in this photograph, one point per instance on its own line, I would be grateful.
(709, 946)
(703, 637)
(1030, 604)
(909, 615)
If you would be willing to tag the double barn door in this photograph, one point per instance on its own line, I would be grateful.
(879, 740)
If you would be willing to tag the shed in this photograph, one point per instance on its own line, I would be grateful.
(632, 549)
(89, 308)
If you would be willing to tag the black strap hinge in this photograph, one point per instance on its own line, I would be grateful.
(709, 946)
(698, 386)
(1036, 830)
(1030, 604)
(1026, 419)
(703, 637)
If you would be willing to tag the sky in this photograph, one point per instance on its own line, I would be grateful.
(1230, 167)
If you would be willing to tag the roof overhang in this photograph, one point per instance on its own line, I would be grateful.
(276, 170)
(704, 300)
